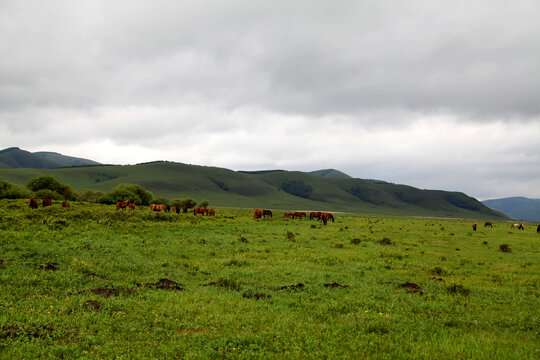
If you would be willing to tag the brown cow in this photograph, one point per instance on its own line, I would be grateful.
(315, 215)
(33, 203)
(199, 210)
(257, 213)
(132, 205)
(122, 204)
(299, 214)
(65, 204)
(212, 212)
(266, 213)
(47, 202)
(287, 215)
(184, 209)
(538, 229)
(474, 225)
(488, 223)
(159, 207)
(325, 217)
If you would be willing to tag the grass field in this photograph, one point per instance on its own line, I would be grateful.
(92, 282)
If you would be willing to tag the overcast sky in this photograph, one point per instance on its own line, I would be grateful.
(434, 94)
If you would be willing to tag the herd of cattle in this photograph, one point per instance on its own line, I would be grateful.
(513, 226)
(257, 213)
(321, 216)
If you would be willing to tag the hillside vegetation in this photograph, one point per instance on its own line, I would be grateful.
(276, 189)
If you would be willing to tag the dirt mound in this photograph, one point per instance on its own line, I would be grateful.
(256, 296)
(336, 285)
(412, 288)
(166, 284)
(296, 287)
(106, 292)
(49, 266)
(92, 305)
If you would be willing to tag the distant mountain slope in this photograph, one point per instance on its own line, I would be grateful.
(330, 173)
(520, 208)
(15, 157)
(64, 160)
(278, 189)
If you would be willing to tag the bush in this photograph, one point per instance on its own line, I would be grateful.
(160, 200)
(127, 192)
(48, 194)
(204, 203)
(45, 182)
(13, 191)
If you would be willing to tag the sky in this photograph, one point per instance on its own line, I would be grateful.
(438, 95)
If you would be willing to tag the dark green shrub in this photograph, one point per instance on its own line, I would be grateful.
(48, 194)
(127, 192)
(13, 191)
(505, 248)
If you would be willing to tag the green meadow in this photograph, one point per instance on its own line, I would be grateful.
(91, 282)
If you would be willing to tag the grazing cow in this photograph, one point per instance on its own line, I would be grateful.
(257, 213)
(266, 213)
(315, 215)
(287, 215)
(32, 203)
(184, 209)
(538, 229)
(199, 210)
(65, 204)
(488, 223)
(299, 214)
(474, 225)
(159, 207)
(47, 202)
(519, 226)
(176, 209)
(122, 204)
(211, 212)
(132, 205)
(325, 217)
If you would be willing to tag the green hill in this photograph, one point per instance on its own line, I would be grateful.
(330, 173)
(15, 157)
(277, 189)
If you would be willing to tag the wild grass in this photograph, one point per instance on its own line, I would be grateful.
(92, 282)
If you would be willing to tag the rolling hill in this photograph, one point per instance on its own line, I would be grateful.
(15, 157)
(520, 208)
(275, 189)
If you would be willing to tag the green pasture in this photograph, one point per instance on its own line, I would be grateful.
(90, 282)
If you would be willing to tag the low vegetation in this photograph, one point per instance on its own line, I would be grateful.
(91, 282)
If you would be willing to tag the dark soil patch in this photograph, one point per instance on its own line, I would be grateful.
(336, 285)
(92, 305)
(437, 279)
(385, 241)
(457, 289)
(296, 287)
(49, 266)
(29, 331)
(412, 288)
(166, 284)
(254, 295)
(105, 292)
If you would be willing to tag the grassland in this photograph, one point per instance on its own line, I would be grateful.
(92, 282)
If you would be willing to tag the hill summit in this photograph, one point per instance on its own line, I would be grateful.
(15, 157)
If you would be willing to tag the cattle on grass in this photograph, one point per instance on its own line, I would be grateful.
(33, 203)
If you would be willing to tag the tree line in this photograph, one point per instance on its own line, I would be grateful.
(46, 186)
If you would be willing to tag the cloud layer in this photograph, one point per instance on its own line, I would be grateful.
(432, 94)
